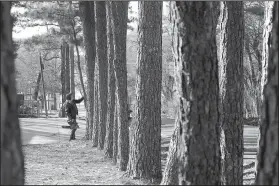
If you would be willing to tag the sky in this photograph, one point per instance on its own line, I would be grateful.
(20, 33)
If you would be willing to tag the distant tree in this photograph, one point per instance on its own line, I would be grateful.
(67, 69)
(119, 25)
(72, 69)
(111, 86)
(267, 166)
(145, 147)
(61, 20)
(231, 90)
(199, 148)
(37, 88)
(101, 46)
(12, 159)
(63, 72)
(72, 57)
(28, 66)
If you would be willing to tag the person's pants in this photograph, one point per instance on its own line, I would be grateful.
(74, 126)
(73, 135)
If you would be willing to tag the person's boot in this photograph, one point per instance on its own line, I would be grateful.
(72, 134)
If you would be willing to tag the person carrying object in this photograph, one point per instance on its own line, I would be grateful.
(72, 112)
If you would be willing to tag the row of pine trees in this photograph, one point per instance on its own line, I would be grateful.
(207, 144)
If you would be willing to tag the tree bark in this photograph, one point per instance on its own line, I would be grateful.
(232, 91)
(101, 46)
(72, 56)
(79, 66)
(67, 69)
(267, 167)
(88, 21)
(199, 149)
(63, 91)
(170, 175)
(119, 23)
(12, 158)
(115, 133)
(72, 70)
(145, 148)
(111, 86)
(96, 126)
(37, 88)
(266, 34)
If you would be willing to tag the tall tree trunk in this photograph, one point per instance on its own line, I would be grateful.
(72, 72)
(63, 91)
(12, 159)
(101, 46)
(145, 147)
(111, 86)
(79, 65)
(266, 34)
(37, 88)
(72, 56)
(232, 91)
(115, 133)
(88, 21)
(199, 150)
(119, 23)
(54, 101)
(267, 167)
(96, 126)
(170, 175)
(67, 69)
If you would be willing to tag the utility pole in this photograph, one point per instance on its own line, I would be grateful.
(42, 68)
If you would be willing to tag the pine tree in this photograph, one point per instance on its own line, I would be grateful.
(267, 167)
(145, 147)
(119, 25)
(199, 148)
(12, 158)
(101, 46)
(111, 86)
(232, 90)
(88, 21)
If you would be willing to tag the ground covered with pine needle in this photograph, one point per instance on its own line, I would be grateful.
(78, 163)
(71, 163)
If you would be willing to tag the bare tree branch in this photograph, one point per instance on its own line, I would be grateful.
(54, 57)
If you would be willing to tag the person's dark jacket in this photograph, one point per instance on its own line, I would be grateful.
(71, 107)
